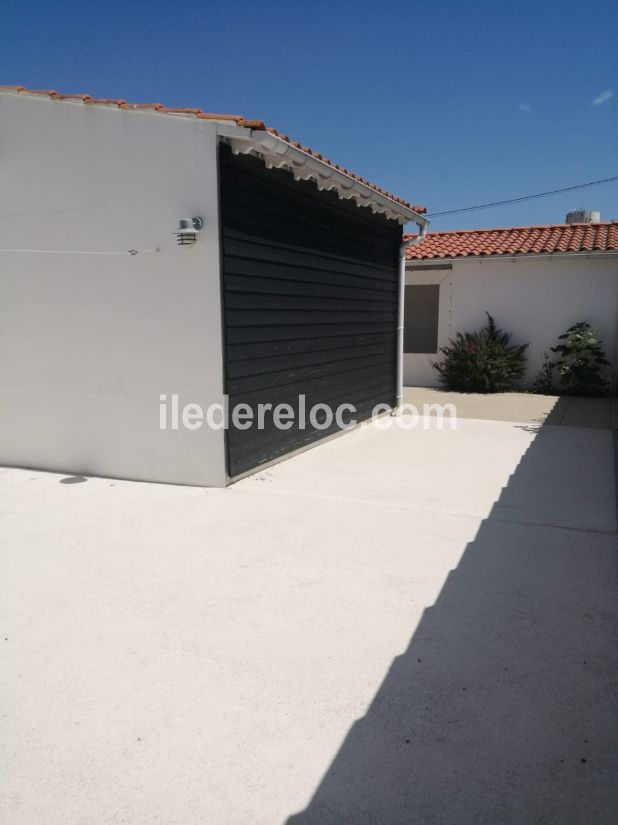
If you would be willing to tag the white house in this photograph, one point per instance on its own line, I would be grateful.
(284, 281)
(536, 281)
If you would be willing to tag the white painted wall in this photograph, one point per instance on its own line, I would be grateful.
(535, 298)
(89, 342)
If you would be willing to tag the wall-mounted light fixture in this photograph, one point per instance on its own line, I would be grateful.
(188, 230)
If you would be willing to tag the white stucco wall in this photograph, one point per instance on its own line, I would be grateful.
(536, 298)
(88, 343)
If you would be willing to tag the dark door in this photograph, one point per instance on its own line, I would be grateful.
(310, 286)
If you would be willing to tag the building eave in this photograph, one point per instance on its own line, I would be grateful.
(412, 263)
(277, 153)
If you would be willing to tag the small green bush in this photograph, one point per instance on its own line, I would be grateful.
(483, 361)
(580, 368)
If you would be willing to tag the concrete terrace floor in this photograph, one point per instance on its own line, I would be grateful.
(522, 407)
(395, 627)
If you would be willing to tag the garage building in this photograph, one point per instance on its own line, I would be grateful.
(155, 260)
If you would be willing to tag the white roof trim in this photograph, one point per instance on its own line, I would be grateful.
(278, 153)
(509, 257)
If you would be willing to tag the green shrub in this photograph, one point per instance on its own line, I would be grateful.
(580, 368)
(483, 361)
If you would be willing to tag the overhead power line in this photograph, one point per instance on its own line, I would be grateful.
(522, 198)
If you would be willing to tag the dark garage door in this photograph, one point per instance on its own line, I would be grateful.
(310, 304)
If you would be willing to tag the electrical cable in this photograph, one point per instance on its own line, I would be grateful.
(522, 198)
(81, 251)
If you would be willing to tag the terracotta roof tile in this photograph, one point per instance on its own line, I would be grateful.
(518, 240)
(201, 115)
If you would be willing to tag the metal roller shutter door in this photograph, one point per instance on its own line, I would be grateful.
(310, 288)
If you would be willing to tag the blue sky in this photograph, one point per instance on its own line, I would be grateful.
(444, 103)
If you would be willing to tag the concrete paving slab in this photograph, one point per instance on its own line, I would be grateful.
(393, 627)
(588, 412)
(522, 407)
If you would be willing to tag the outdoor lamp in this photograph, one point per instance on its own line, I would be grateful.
(188, 230)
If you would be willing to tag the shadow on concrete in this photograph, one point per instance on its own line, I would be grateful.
(73, 480)
(558, 412)
(503, 707)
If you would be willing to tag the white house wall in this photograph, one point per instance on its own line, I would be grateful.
(89, 342)
(535, 298)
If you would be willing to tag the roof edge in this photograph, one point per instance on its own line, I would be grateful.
(346, 183)
(520, 228)
(509, 256)
(277, 152)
